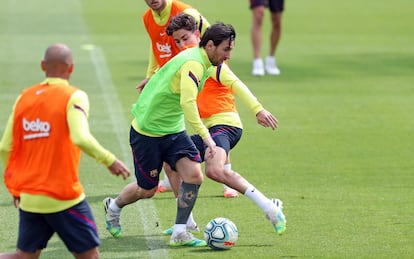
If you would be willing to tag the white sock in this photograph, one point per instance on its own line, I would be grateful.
(166, 181)
(113, 207)
(166, 177)
(257, 197)
(190, 220)
(179, 228)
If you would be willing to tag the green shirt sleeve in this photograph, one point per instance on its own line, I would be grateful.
(77, 116)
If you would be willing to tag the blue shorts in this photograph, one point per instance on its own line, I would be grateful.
(275, 6)
(75, 226)
(149, 153)
(225, 137)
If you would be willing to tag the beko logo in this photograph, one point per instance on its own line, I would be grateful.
(164, 49)
(35, 129)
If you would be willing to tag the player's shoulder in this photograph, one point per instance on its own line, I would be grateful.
(192, 11)
(79, 95)
(193, 65)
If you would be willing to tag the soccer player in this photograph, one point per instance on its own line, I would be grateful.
(41, 146)
(158, 130)
(217, 109)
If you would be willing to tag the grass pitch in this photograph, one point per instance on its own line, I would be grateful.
(341, 160)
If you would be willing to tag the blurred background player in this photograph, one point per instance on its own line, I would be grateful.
(41, 148)
(276, 8)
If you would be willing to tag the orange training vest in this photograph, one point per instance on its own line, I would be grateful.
(43, 160)
(163, 46)
(215, 98)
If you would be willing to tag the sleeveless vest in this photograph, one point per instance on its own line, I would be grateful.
(43, 159)
(222, 96)
(158, 110)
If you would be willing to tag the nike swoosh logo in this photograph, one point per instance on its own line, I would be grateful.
(40, 91)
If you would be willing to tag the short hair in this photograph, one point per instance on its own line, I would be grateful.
(218, 33)
(181, 21)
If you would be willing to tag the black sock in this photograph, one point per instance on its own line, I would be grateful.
(185, 203)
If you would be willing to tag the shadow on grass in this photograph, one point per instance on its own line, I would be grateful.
(126, 245)
(7, 203)
(132, 243)
(99, 198)
(158, 196)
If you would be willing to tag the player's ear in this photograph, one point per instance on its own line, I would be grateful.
(70, 68)
(198, 34)
(210, 44)
(43, 65)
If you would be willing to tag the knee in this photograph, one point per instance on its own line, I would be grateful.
(150, 193)
(145, 194)
(199, 178)
(195, 176)
(93, 254)
(214, 173)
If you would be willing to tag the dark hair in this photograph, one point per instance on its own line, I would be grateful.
(218, 33)
(181, 21)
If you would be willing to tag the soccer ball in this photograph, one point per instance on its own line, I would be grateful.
(220, 234)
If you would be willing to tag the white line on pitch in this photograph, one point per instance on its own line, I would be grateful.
(147, 209)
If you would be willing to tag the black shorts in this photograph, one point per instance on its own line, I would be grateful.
(275, 6)
(75, 226)
(149, 153)
(225, 137)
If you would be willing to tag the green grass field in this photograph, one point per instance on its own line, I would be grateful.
(342, 159)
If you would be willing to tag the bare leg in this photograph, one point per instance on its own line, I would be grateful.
(276, 19)
(164, 185)
(90, 254)
(132, 193)
(129, 194)
(256, 31)
(19, 254)
(175, 180)
(270, 61)
(215, 171)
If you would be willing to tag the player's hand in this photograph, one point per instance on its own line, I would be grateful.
(118, 168)
(16, 201)
(211, 147)
(266, 119)
(142, 84)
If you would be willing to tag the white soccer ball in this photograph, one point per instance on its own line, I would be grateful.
(220, 234)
